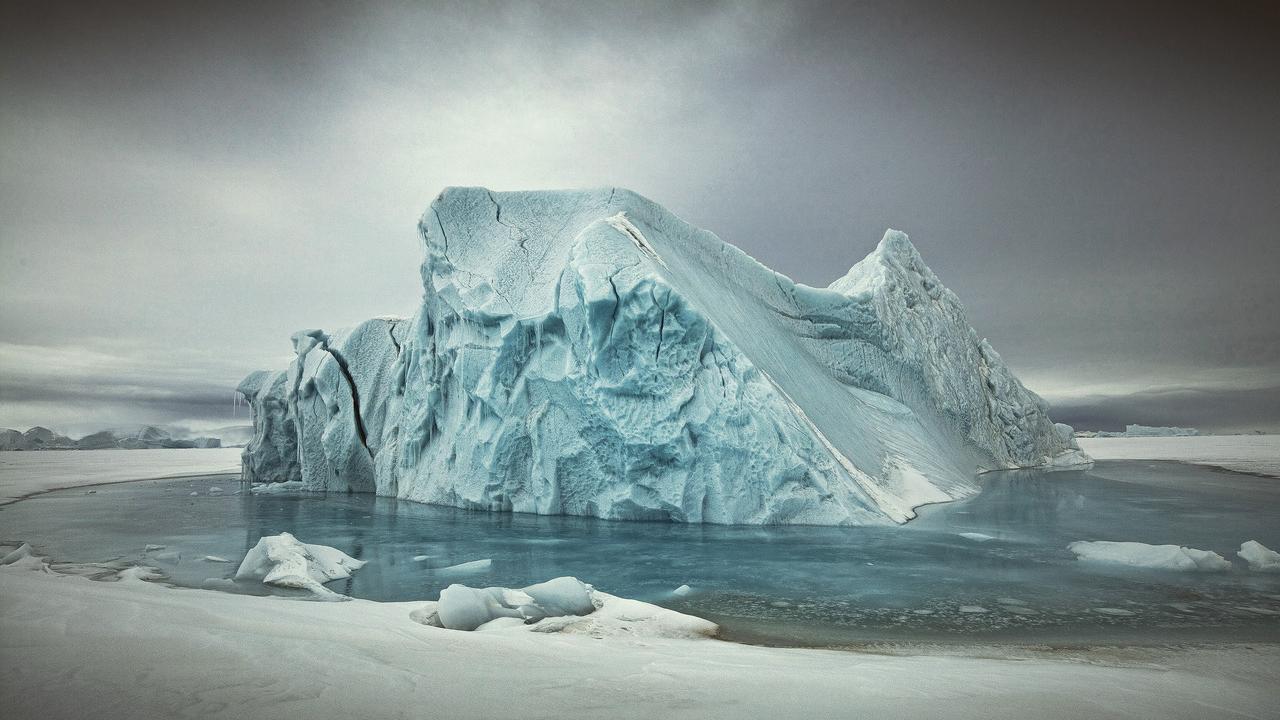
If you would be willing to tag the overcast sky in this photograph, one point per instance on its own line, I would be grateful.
(182, 185)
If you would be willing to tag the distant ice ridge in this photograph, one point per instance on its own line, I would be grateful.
(588, 353)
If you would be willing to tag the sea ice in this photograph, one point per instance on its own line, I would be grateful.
(1260, 557)
(589, 353)
(283, 561)
(1157, 557)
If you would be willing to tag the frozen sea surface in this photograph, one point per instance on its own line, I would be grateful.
(1258, 454)
(24, 473)
(992, 568)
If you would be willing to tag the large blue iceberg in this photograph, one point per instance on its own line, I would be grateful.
(589, 353)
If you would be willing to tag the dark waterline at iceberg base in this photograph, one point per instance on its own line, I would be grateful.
(772, 585)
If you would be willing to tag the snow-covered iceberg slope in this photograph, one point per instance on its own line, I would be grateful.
(589, 353)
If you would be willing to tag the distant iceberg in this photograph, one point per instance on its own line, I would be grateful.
(1145, 431)
(589, 353)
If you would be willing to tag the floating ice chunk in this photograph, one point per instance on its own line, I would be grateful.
(215, 489)
(475, 566)
(151, 548)
(1155, 557)
(682, 591)
(216, 559)
(976, 536)
(421, 558)
(281, 560)
(194, 493)
(1260, 557)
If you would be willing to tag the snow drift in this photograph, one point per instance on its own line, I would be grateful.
(588, 353)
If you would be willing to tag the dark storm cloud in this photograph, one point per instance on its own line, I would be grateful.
(182, 185)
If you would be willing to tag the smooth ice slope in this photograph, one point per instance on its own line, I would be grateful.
(589, 353)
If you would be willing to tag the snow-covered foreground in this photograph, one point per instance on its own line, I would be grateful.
(71, 647)
(26, 473)
(1243, 453)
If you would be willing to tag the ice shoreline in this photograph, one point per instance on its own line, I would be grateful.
(138, 649)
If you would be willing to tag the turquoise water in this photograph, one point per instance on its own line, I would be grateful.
(774, 585)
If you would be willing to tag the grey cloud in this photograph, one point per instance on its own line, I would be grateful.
(1096, 182)
(1211, 410)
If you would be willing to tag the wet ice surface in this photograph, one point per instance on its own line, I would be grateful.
(992, 568)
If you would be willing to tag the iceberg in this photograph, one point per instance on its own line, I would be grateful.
(589, 353)
(1148, 431)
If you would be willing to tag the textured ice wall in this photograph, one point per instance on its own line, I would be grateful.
(589, 353)
(272, 453)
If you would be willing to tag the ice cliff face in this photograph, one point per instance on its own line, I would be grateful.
(589, 353)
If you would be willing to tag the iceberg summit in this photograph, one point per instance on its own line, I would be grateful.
(589, 353)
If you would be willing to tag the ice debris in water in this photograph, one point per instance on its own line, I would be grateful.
(589, 353)
(682, 591)
(1155, 557)
(1260, 557)
(976, 536)
(281, 560)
